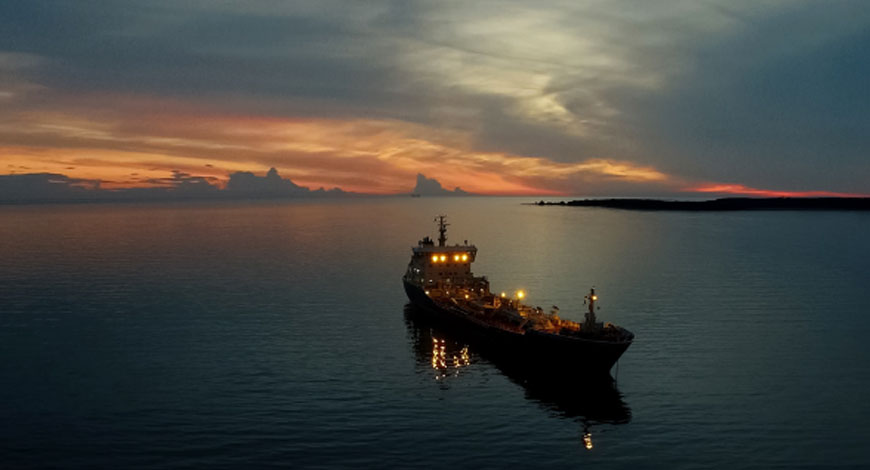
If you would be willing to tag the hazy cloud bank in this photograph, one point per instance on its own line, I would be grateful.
(53, 187)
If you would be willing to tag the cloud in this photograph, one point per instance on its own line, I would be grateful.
(185, 183)
(249, 184)
(499, 97)
(360, 155)
(773, 102)
(43, 187)
(739, 189)
(431, 187)
(52, 187)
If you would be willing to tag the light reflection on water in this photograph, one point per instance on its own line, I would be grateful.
(440, 359)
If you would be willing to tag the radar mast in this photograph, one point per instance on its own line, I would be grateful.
(442, 230)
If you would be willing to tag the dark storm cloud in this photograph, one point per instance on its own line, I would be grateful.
(783, 104)
(156, 48)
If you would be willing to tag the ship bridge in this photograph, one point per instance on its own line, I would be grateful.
(442, 265)
(455, 253)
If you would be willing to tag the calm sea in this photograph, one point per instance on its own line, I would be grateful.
(275, 335)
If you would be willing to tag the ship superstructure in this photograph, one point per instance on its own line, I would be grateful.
(440, 269)
(439, 280)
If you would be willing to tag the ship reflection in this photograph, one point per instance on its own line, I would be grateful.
(592, 401)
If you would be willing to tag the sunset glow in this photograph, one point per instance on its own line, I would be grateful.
(741, 190)
(140, 149)
(556, 99)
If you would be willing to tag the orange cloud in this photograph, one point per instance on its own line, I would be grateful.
(135, 142)
(724, 188)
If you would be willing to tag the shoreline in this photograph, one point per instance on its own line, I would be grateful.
(723, 204)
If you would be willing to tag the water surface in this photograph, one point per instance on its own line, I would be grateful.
(275, 334)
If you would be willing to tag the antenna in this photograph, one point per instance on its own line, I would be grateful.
(442, 229)
(591, 298)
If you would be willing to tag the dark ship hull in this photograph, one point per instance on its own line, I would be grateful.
(593, 399)
(534, 348)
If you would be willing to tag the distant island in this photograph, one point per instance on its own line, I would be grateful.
(724, 204)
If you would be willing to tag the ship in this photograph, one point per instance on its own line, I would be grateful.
(444, 352)
(439, 282)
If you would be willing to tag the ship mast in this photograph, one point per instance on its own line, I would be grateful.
(589, 324)
(442, 230)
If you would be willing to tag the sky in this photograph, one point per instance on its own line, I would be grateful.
(553, 97)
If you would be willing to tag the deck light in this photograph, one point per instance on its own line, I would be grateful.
(520, 294)
(465, 257)
(443, 258)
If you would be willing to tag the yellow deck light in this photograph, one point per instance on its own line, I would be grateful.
(464, 257)
(520, 294)
(443, 258)
(434, 258)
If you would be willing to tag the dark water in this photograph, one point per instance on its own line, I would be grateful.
(258, 335)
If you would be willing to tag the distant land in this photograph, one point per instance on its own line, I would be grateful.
(54, 188)
(724, 204)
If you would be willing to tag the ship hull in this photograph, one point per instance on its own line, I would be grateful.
(533, 348)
